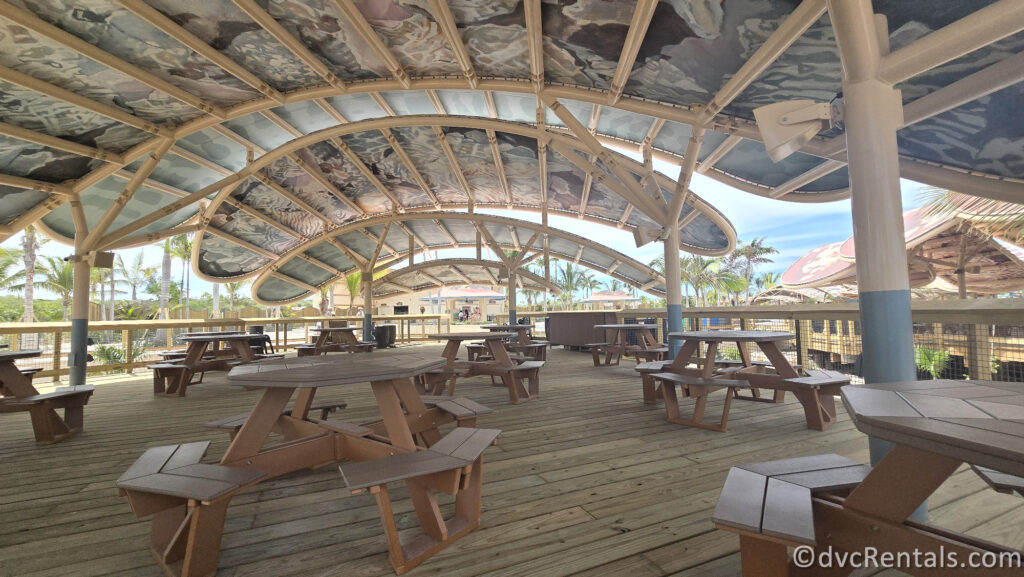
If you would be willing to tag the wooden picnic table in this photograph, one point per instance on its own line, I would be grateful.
(171, 379)
(522, 331)
(18, 394)
(492, 340)
(309, 444)
(336, 338)
(618, 344)
(935, 426)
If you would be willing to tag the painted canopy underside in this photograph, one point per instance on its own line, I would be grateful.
(455, 272)
(335, 68)
(323, 259)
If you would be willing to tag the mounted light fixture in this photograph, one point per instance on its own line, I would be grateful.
(787, 126)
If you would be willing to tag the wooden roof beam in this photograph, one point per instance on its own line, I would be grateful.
(367, 173)
(291, 43)
(458, 272)
(59, 190)
(314, 171)
(579, 255)
(492, 108)
(492, 244)
(59, 143)
(200, 161)
(161, 22)
(446, 232)
(92, 52)
(492, 138)
(369, 35)
(320, 263)
(588, 183)
(404, 157)
(591, 169)
(453, 163)
(58, 93)
(412, 234)
(642, 15)
(436, 101)
(380, 245)
(611, 268)
(718, 153)
(359, 260)
(652, 132)
(635, 193)
(240, 242)
(276, 187)
(332, 111)
(446, 20)
(625, 216)
(542, 169)
(431, 277)
(535, 41)
(823, 169)
(792, 28)
(515, 237)
(294, 281)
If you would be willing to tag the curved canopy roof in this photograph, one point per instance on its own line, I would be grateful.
(293, 273)
(455, 272)
(282, 120)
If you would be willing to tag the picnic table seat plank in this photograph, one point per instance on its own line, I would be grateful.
(788, 512)
(651, 388)
(48, 427)
(456, 469)
(1001, 482)
(522, 380)
(697, 388)
(463, 409)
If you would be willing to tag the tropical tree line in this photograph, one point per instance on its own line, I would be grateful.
(731, 279)
(117, 291)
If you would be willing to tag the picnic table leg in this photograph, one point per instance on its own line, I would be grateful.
(193, 356)
(684, 355)
(450, 351)
(745, 359)
(762, 558)
(709, 360)
(206, 527)
(242, 350)
(406, 391)
(900, 482)
(253, 434)
(781, 364)
(819, 409)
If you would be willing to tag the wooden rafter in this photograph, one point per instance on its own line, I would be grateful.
(58, 143)
(446, 20)
(293, 44)
(58, 93)
(595, 117)
(823, 169)
(359, 260)
(380, 244)
(492, 108)
(76, 44)
(635, 194)
(126, 194)
(642, 15)
(377, 239)
(261, 217)
(535, 41)
(241, 242)
(238, 138)
(458, 272)
(436, 101)
(579, 255)
(431, 278)
(161, 22)
(453, 163)
(515, 238)
(625, 216)
(588, 183)
(330, 110)
(200, 161)
(294, 281)
(367, 173)
(613, 266)
(493, 244)
(276, 187)
(490, 275)
(369, 35)
(591, 169)
(542, 178)
(382, 103)
(718, 153)
(412, 235)
(446, 232)
(407, 162)
(492, 138)
(652, 132)
(317, 262)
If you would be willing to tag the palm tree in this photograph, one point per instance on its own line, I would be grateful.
(181, 248)
(10, 278)
(29, 246)
(233, 289)
(58, 276)
(135, 274)
(570, 280)
(215, 301)
(98, 276)
(353, 281)
(748, 256)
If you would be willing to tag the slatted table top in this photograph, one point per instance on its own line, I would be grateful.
(470, 336)
(979, 422)
(217, 337)
(506, 327)
(312, 372)
(627, 327)
(11, 356)
(734, 336)
(335, 329)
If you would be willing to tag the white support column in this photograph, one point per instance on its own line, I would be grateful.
(873, 114)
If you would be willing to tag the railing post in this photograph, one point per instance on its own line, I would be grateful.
(803, 332)
(57, 342)
(128, 344)
(979, 352)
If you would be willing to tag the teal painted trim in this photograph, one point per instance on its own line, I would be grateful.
(675, 325)
(79, 355)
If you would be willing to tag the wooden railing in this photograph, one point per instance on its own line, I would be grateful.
(285, 333)
(985, 333)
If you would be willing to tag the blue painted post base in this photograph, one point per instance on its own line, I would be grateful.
(78, 357)
(675, 325)
(367, 327)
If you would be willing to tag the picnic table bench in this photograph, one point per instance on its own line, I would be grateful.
(20, 396)
(698, 389)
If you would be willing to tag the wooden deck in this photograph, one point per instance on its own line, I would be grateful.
(585, 481)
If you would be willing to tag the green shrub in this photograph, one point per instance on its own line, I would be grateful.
(931, 361)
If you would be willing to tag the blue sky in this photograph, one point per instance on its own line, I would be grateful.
(792, 228)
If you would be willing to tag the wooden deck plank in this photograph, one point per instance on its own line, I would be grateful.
(585, 480)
